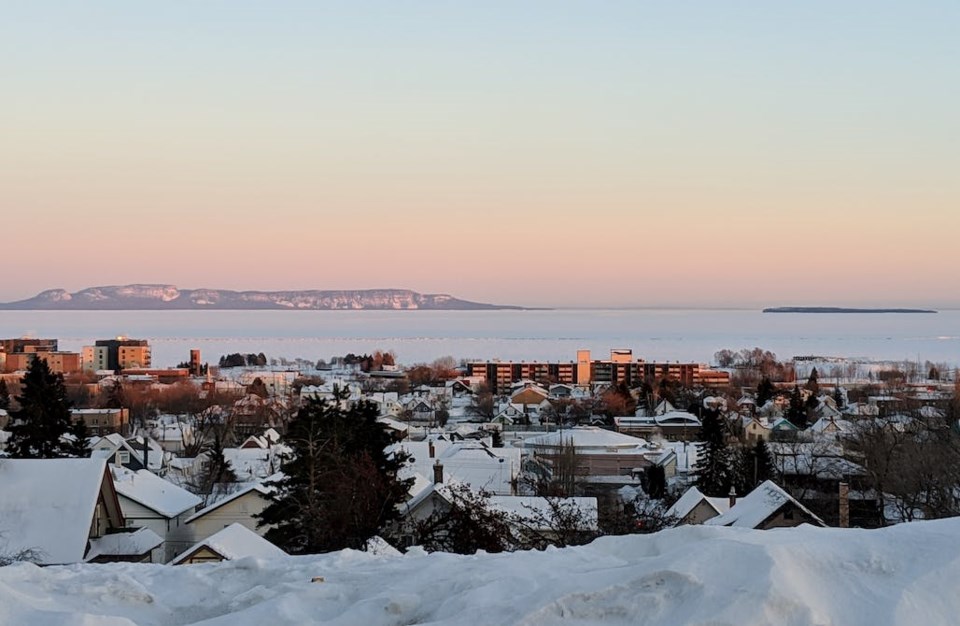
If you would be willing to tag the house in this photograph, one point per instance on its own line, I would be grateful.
(148, 501)
(599, 452)
(57, 507)
(767, 506)
(528, 514)
(474, 463)
(672, 425)
(233, 542)
(756, 428)
(129, 453)
(238, 507)
(695, 508)
(139, 546)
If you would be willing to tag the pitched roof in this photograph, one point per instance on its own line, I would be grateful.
(136, 543)
(758, 505)
(260, 488)
(236, 541)
(153, 492)
(47, 505)
(691, 498)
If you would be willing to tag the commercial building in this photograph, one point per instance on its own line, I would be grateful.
(621, 367)
(117, 354)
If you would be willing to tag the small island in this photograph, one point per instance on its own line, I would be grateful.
(837, 309)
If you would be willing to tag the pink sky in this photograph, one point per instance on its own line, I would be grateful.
(641, 157)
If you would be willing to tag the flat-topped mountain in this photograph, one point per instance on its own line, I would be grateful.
(167, 297)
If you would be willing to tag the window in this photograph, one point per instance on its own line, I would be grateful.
(123, 457)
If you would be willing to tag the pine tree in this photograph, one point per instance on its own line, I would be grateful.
(797, 411)
(813, 382)
(713, 465)
(765, 391)
(339, 486)
(78, 443)
(656, 482)
(763, 467)
(756, 466)
(838, 398)
(4, 396)
(38, 426)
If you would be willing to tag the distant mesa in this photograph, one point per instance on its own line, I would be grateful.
(836, 309)
(168, 297)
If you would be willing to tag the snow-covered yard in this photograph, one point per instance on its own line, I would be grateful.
(691, 575)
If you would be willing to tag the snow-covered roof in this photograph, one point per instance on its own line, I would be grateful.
(587, 438)
(153, 492)
(260, 488)
(758, 505)
(124, 544)
(691, 498)
(533, 509)
(236, 541)
(48, 504)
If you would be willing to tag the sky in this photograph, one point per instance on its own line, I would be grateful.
(537, 153)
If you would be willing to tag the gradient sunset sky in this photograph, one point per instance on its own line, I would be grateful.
(537, 153)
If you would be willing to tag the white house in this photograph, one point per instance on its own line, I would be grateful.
(148, 501)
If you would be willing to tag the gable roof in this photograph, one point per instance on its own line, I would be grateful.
(133, 544)
(153, 492)
(47, 505)
(757, 506)
(691, 498)
(259, 488)
(236, 541)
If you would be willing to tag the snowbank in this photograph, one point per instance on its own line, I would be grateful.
(692, 575)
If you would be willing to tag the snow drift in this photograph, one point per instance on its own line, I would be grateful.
(691, 575)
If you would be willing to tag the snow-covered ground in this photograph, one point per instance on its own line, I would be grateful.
(691, 575)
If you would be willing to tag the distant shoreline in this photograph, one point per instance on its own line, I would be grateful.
(832, 309)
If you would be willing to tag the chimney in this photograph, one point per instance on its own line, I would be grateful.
(438, 472)
(844, 505)
(733, 497)
(431, 449)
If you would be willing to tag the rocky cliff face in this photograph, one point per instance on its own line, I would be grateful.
(158, 297)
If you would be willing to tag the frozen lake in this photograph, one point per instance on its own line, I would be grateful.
(415, 336)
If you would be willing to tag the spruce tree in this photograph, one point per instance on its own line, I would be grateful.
(797, 411)
(78, 443)
(763, 468)
(813, 382)
(4, 396)
(713, 465)
(339, 486)
(765, 391)
(756, 466)
(838, 398)
(38, 426)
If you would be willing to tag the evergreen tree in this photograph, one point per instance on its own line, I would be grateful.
(218, 473)
(813, 382)
(713, 465)
(741, 470)
(339, 486)
(37, 427)
(765, 391)
(755, 467)
(763, 467)
(797, 411)
(656, 482)
(4, 396)
(78, 444)
(838, 398)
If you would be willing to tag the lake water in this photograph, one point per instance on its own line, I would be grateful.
(416, 336)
